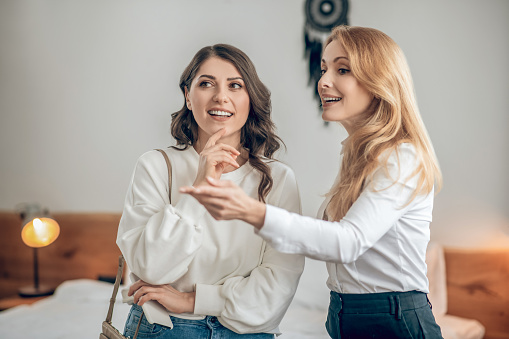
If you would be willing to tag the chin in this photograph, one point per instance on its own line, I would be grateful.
(326, 117)
(226, 131)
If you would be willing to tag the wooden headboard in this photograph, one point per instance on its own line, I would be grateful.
(86, 248)
(478, 287)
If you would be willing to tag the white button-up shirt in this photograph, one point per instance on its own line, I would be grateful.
(379, 245)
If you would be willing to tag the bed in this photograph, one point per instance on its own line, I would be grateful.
(85, 256)
(80, 262)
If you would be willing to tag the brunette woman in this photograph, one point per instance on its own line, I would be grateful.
(217, 279)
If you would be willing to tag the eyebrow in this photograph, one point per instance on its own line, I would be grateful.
(214, 78)
(336, 59)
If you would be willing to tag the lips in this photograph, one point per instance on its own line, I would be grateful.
(220, 113)
(330, 99)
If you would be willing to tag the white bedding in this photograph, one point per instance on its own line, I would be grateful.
(76, 310)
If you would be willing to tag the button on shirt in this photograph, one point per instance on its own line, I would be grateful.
(379, 245)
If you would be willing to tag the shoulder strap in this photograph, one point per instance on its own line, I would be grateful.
(114, 295)
(121, 258)
(115, 288)
(168, 164)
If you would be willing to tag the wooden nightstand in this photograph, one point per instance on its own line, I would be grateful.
(9, 302)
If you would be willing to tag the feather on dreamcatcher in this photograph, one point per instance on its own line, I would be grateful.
(321, 17)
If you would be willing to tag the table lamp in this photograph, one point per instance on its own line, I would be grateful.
(38, 229)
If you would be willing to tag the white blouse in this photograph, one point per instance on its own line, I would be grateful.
(379, 245)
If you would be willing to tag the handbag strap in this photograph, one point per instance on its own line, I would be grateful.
(168, 165)
(114, 295)
(115, 288)
(121, 257)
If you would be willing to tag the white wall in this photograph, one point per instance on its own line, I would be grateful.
(88, 86)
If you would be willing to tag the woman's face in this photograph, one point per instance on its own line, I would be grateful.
(218, 99)
(343, 98)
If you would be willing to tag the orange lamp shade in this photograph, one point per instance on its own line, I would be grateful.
(40, 232)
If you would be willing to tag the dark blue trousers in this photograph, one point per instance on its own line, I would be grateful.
(381, 315)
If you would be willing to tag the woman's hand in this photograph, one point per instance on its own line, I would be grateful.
(215, 159)
(173, 300)
(226, 201)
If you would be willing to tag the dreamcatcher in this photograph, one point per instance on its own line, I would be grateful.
(321, 17)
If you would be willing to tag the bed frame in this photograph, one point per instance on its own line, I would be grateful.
(477, 280)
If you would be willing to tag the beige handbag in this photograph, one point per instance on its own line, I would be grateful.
(108, 330)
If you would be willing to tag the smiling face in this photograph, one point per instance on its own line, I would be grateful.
(343, 98)
(218, 99)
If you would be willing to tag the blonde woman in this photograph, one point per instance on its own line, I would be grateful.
(376, 217)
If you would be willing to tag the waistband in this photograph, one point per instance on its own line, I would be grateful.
(387, 302)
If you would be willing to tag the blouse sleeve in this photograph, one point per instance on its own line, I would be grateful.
(151, 230)
(257, 303)
(379, 206)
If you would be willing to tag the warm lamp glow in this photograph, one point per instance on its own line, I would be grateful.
(38, 229)
(40, 232)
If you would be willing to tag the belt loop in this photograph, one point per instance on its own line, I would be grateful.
(429, 302)
(339, 316)
(398, 305)
(391, 301)
(340, 304)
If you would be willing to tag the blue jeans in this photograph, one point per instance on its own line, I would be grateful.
(208, 328)
(381, 315)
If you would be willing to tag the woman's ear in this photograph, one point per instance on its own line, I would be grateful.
(188, 101)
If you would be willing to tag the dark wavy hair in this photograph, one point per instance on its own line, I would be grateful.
(257, 135)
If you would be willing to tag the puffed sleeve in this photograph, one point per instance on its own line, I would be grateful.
(158, 240)
(257, 303)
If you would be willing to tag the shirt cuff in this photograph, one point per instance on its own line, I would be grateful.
(190, 209)
(275, 227)
(208, 300)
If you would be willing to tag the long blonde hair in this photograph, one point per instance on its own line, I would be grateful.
(379, 65)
